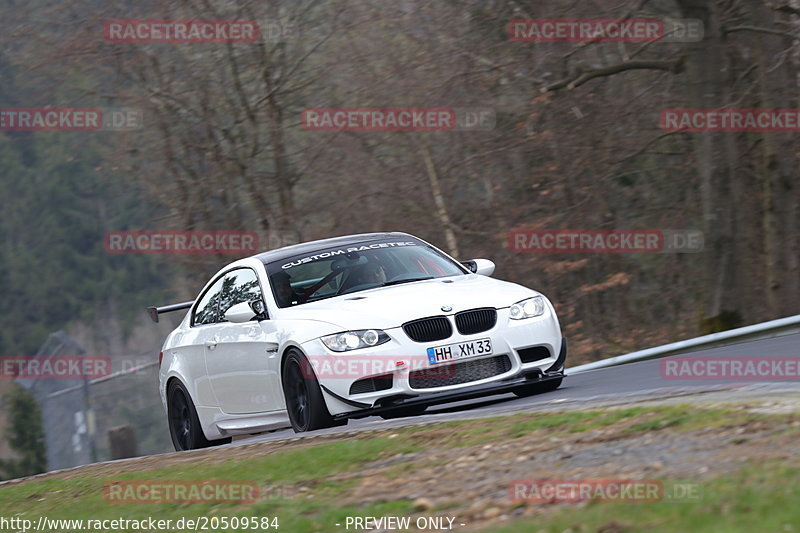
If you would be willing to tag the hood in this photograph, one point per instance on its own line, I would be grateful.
(389, 307)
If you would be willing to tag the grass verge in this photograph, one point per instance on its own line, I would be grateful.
(305, 487)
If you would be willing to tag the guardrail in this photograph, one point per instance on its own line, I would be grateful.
(104, 378)
(764, 330)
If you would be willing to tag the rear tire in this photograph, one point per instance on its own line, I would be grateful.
(304, 401)
(184, 425)
(538, 388)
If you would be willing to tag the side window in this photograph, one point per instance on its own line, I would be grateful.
(240, 285)
(206, 311)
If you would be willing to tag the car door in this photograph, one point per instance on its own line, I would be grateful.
(242, 359)
(192, 346)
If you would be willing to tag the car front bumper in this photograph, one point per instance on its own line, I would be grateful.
(401, 359)
(527, 377)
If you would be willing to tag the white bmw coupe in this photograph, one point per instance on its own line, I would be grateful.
(314, 334)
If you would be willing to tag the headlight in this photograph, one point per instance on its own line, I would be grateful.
(527, 308)
(353, 340)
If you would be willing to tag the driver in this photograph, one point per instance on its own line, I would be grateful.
(375, 274)
(284, 293)
(370, 274)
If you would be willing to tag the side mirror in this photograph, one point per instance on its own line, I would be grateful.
(245, 312)
(484, 267)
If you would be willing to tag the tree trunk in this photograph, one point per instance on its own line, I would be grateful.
(709, 76)
(777, 75)
(441, 207)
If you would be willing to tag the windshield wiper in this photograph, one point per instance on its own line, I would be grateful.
(407, 280)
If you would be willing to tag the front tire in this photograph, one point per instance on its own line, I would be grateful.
(304, 401)
(184, 425)
(538, 388)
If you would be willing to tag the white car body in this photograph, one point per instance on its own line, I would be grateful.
(232, 371)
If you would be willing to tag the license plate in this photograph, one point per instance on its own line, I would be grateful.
(459, 350)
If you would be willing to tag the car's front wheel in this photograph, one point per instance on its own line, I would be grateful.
(538, 388)
(184, 425)
(304, 401)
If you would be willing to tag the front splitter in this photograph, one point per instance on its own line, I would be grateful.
(467, 393)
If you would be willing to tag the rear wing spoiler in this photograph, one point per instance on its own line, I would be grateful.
(155, 311)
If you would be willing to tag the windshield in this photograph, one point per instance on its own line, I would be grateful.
(330, 272)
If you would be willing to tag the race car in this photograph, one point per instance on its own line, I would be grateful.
(314, 334)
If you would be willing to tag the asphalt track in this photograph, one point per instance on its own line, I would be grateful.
(625, 385)
(619, 385)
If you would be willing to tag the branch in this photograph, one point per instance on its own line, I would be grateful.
(644, 148)
(579, 78)
(762, 30)
(787, 9)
